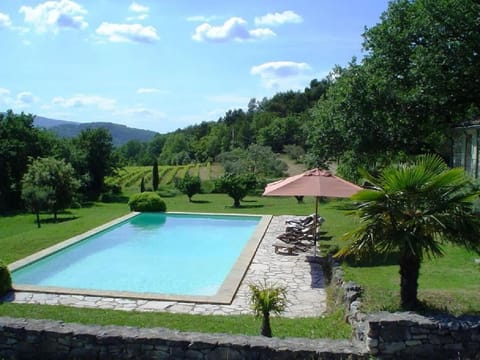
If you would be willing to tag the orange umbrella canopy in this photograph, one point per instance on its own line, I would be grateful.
(314, 182)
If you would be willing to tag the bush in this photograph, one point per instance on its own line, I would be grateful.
(5, 279)
(147, 201)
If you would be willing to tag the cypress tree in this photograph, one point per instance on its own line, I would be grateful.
(155, 178)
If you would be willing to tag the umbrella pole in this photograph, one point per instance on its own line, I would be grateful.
(315, 228)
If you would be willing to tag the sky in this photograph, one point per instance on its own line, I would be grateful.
(165, 64)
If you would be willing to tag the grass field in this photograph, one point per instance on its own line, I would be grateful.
(450, 284)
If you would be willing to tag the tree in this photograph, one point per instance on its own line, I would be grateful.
(98, 160)
(35, 198)
(189, 185)
(258, 160)
(49, 183)
(19, 140)
(236, 186)
(176, 149)
(420, 77)
(265, 300)
(427, 52)
(155, 177)
(409, 212)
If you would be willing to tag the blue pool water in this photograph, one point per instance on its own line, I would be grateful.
(180, 254)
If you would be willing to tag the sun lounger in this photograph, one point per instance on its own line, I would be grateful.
(306, 221)
(287, 248)
(300, 242)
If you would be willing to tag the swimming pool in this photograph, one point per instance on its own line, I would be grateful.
(189, 257)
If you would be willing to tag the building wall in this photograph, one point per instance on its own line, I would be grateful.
(465, 149)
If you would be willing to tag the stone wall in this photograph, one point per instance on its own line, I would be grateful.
(407, 335)
(47, 339)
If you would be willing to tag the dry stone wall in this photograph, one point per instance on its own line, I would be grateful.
(407, 335)
(46, 339)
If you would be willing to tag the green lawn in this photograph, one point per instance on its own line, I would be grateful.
(19, 235)
(451, 283)
(331, 326)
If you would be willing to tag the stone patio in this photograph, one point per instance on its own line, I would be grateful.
(304, 282)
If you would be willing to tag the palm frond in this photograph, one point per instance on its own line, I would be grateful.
(414, 207)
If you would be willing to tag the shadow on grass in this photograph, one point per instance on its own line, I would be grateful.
(247, 206)
(88, 204)
(391, 259)
(201, 201)
(115, 199)
(438, 303)
(58, 221)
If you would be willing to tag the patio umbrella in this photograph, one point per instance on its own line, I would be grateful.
(315, 182)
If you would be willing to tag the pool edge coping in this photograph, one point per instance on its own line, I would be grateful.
(225, 295)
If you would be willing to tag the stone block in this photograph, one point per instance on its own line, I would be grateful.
(392, 348)
(394, 334)
(424, 351)
(455, 346)
(372, 343)
(418, 330)
(413, 342)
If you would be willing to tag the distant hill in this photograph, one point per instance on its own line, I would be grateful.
(121, 134)
(47, 123)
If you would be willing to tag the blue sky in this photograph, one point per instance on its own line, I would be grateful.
(166, 64)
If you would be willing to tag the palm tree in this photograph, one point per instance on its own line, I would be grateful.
(410, 211)
(265, 300)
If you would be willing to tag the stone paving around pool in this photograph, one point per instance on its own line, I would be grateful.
(304, 282)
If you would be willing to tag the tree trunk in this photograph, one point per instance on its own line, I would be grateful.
(266, 329)
(409, 272)
(236, 203)
(38, 219)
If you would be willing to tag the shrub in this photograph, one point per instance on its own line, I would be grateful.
(5, 279)
(147, 201)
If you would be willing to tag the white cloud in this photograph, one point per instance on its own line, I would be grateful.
(5, 21)
(128, 33)
(5, 97)
(25, 98)
(276, 19)
(139, 17)
(141, 117)
(4, 92)
(137, 8)
(234, 28)
(147, 90)
(55, 15)
(81, 100)
(141, 12)
(282, 74)
(141, 111)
